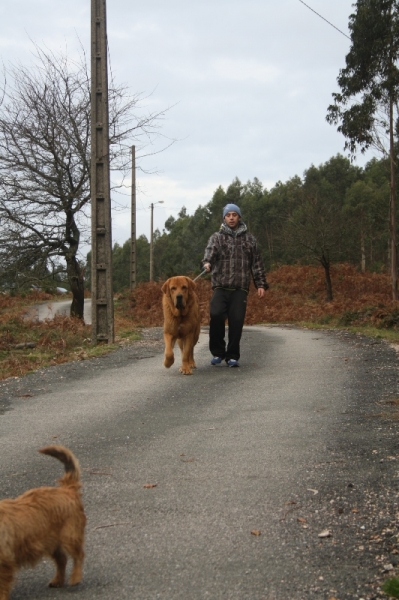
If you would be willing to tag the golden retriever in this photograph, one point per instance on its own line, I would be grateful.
(45, 521)
(182, 321)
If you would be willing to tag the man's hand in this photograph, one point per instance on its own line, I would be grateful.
(261, 292)
(207, 266)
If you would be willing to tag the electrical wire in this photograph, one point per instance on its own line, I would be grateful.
(316, 13)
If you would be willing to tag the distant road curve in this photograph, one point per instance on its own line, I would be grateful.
(48, 310)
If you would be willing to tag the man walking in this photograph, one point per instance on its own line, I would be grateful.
(232, 256)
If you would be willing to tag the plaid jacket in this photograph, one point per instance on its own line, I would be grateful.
(234, 256)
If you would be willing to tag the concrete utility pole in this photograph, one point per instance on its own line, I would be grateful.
(152, 244)
(152, 240)
(101, 239)
(133, 263)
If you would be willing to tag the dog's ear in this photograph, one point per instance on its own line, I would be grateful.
(191, 284)
(165, 287)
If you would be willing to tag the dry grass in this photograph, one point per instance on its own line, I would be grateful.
(296, 295)
(46, 343)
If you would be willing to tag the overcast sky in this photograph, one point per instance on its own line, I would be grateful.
(248, 83)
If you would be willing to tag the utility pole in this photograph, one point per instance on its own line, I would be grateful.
(102, 302)
(152, 240)
(133, 262)
(152, 244)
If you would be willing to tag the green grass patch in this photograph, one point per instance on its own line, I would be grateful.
(391, 587)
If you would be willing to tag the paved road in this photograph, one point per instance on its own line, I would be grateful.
(293, 443)
(62, 307)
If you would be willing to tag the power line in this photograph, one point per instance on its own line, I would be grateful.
(316, 13)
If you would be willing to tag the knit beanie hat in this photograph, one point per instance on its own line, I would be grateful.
(231, 208)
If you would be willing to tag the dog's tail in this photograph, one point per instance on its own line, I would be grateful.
(71, 463)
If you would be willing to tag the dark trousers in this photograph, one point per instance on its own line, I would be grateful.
(230, 305)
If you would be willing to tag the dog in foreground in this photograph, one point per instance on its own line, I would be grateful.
(182, 321)
(45, 521)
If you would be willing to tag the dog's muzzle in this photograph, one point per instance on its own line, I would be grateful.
(179, 301)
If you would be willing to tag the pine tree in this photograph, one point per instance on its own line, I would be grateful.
(366, 108)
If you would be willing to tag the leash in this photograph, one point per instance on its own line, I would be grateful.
(200, 275)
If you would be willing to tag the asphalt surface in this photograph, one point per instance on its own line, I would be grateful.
(274, 481)
(48, 310)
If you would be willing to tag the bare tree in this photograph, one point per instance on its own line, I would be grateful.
(45, 161)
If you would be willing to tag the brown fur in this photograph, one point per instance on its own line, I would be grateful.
(182, 321)
(45, 521)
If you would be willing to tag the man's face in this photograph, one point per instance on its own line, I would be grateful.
(231, 219)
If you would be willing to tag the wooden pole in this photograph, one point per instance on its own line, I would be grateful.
(133, 259)
(101, 238)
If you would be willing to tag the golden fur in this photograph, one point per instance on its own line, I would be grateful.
(45, 521)
(182, 321)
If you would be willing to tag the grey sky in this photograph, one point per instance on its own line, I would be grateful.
(249, 82)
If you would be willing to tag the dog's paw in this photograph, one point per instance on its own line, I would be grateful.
(56, 583)
(186, 370)
(168, 362)
(76, 575)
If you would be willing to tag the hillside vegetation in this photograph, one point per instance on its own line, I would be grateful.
(296, 295)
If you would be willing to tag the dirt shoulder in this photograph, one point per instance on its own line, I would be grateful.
(355, 507)
(48, 378)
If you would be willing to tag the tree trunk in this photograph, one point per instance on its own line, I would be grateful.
(76, 281)
(327, 278)
(269, 239)
(363, 252)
